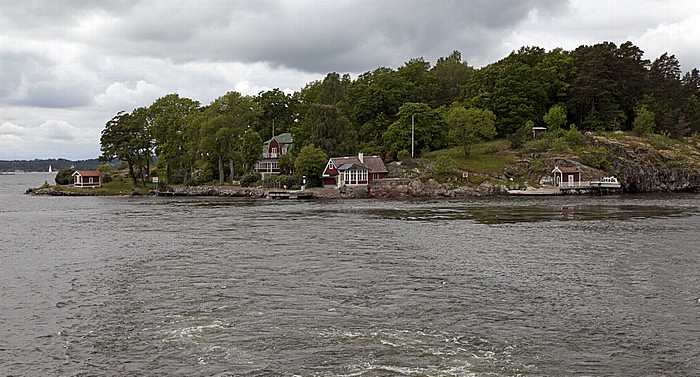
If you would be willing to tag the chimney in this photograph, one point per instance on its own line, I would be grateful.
(361, 157)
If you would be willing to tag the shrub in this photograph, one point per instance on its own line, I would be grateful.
(64, 177)
(573, 138)
(597, 159)
(443, 167)
(251, 179)
(291, 182)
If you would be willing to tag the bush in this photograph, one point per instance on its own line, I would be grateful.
(597, 159)
(106, 178)
(291, 182)
(64, 177)
(443, 167)
(573, 138)
(251, 179)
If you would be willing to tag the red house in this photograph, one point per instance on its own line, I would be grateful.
(567, 176)
(87, 178)
(353, 171)
(273, 149)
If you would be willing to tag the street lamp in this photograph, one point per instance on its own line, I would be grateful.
(413, 121)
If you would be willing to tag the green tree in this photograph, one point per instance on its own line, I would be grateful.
(555, 119)
(229, 117)
(429, 130)
(471, 126)
(521, 136)
(310, 163)
(279, 111)
(64, 177)
(420, 84)
(643, 121)
(375, 94)
(168, 119)
(104, 169)
(520, 87)
(123, 138)
(250, 149)
(451, 74)
(331, 131)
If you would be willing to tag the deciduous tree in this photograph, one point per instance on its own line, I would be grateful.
(471, 126)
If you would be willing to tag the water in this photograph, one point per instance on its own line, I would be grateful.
(561, 286)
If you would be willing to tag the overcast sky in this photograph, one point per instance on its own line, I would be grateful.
(67, 67)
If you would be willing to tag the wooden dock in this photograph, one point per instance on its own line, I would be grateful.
(296, 194)
(536, 191)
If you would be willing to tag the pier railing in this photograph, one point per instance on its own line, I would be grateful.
(572, 185)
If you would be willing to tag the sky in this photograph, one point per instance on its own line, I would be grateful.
(67, 67)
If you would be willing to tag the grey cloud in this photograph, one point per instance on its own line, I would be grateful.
(30, 80)
(318, 36)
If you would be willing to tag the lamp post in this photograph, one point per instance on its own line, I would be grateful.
(413, 121)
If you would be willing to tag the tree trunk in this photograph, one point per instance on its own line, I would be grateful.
(132, 173)
(221, 169)
(230, 168)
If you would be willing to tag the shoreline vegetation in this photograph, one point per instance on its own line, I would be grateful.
(447, 129)
(642, 164)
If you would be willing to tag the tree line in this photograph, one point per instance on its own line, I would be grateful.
(602, 87)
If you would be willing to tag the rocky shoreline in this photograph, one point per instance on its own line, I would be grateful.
(389, 189)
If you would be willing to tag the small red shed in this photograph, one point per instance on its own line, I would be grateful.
(87, 178)
(567, 176)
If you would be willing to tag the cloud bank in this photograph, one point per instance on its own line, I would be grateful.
(66, 68)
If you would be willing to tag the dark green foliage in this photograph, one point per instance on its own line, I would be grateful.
(470, 126)
(598, 87)
(430, 130)
(64, 177)
(643, 121)
(279, 111)
(451, 74)
(106, 178)
(597, 159)
(250, 179)
(310, 162)
(289, 182)
(443, 168)
(331, 131)
(521, 136)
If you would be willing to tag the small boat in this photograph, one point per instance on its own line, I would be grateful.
(50, 170)
(607, 182)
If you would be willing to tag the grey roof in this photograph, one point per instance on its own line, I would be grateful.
(345, 167)
(373, 163)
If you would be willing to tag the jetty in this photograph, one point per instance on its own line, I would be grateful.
(290, 194)
(605, 185)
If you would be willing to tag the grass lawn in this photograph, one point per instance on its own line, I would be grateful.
(485, 158)
(118, 186)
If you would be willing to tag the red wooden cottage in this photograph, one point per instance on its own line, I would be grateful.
(353, 171)
(87, 178)
(567, 176)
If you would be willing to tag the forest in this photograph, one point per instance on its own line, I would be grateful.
(602, 87)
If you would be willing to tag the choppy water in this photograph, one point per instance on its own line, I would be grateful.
(565, 286)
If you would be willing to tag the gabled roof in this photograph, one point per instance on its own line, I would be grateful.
(566, 169)
(373, 163)
(284, 138)
(88, 173)
(345, 167)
